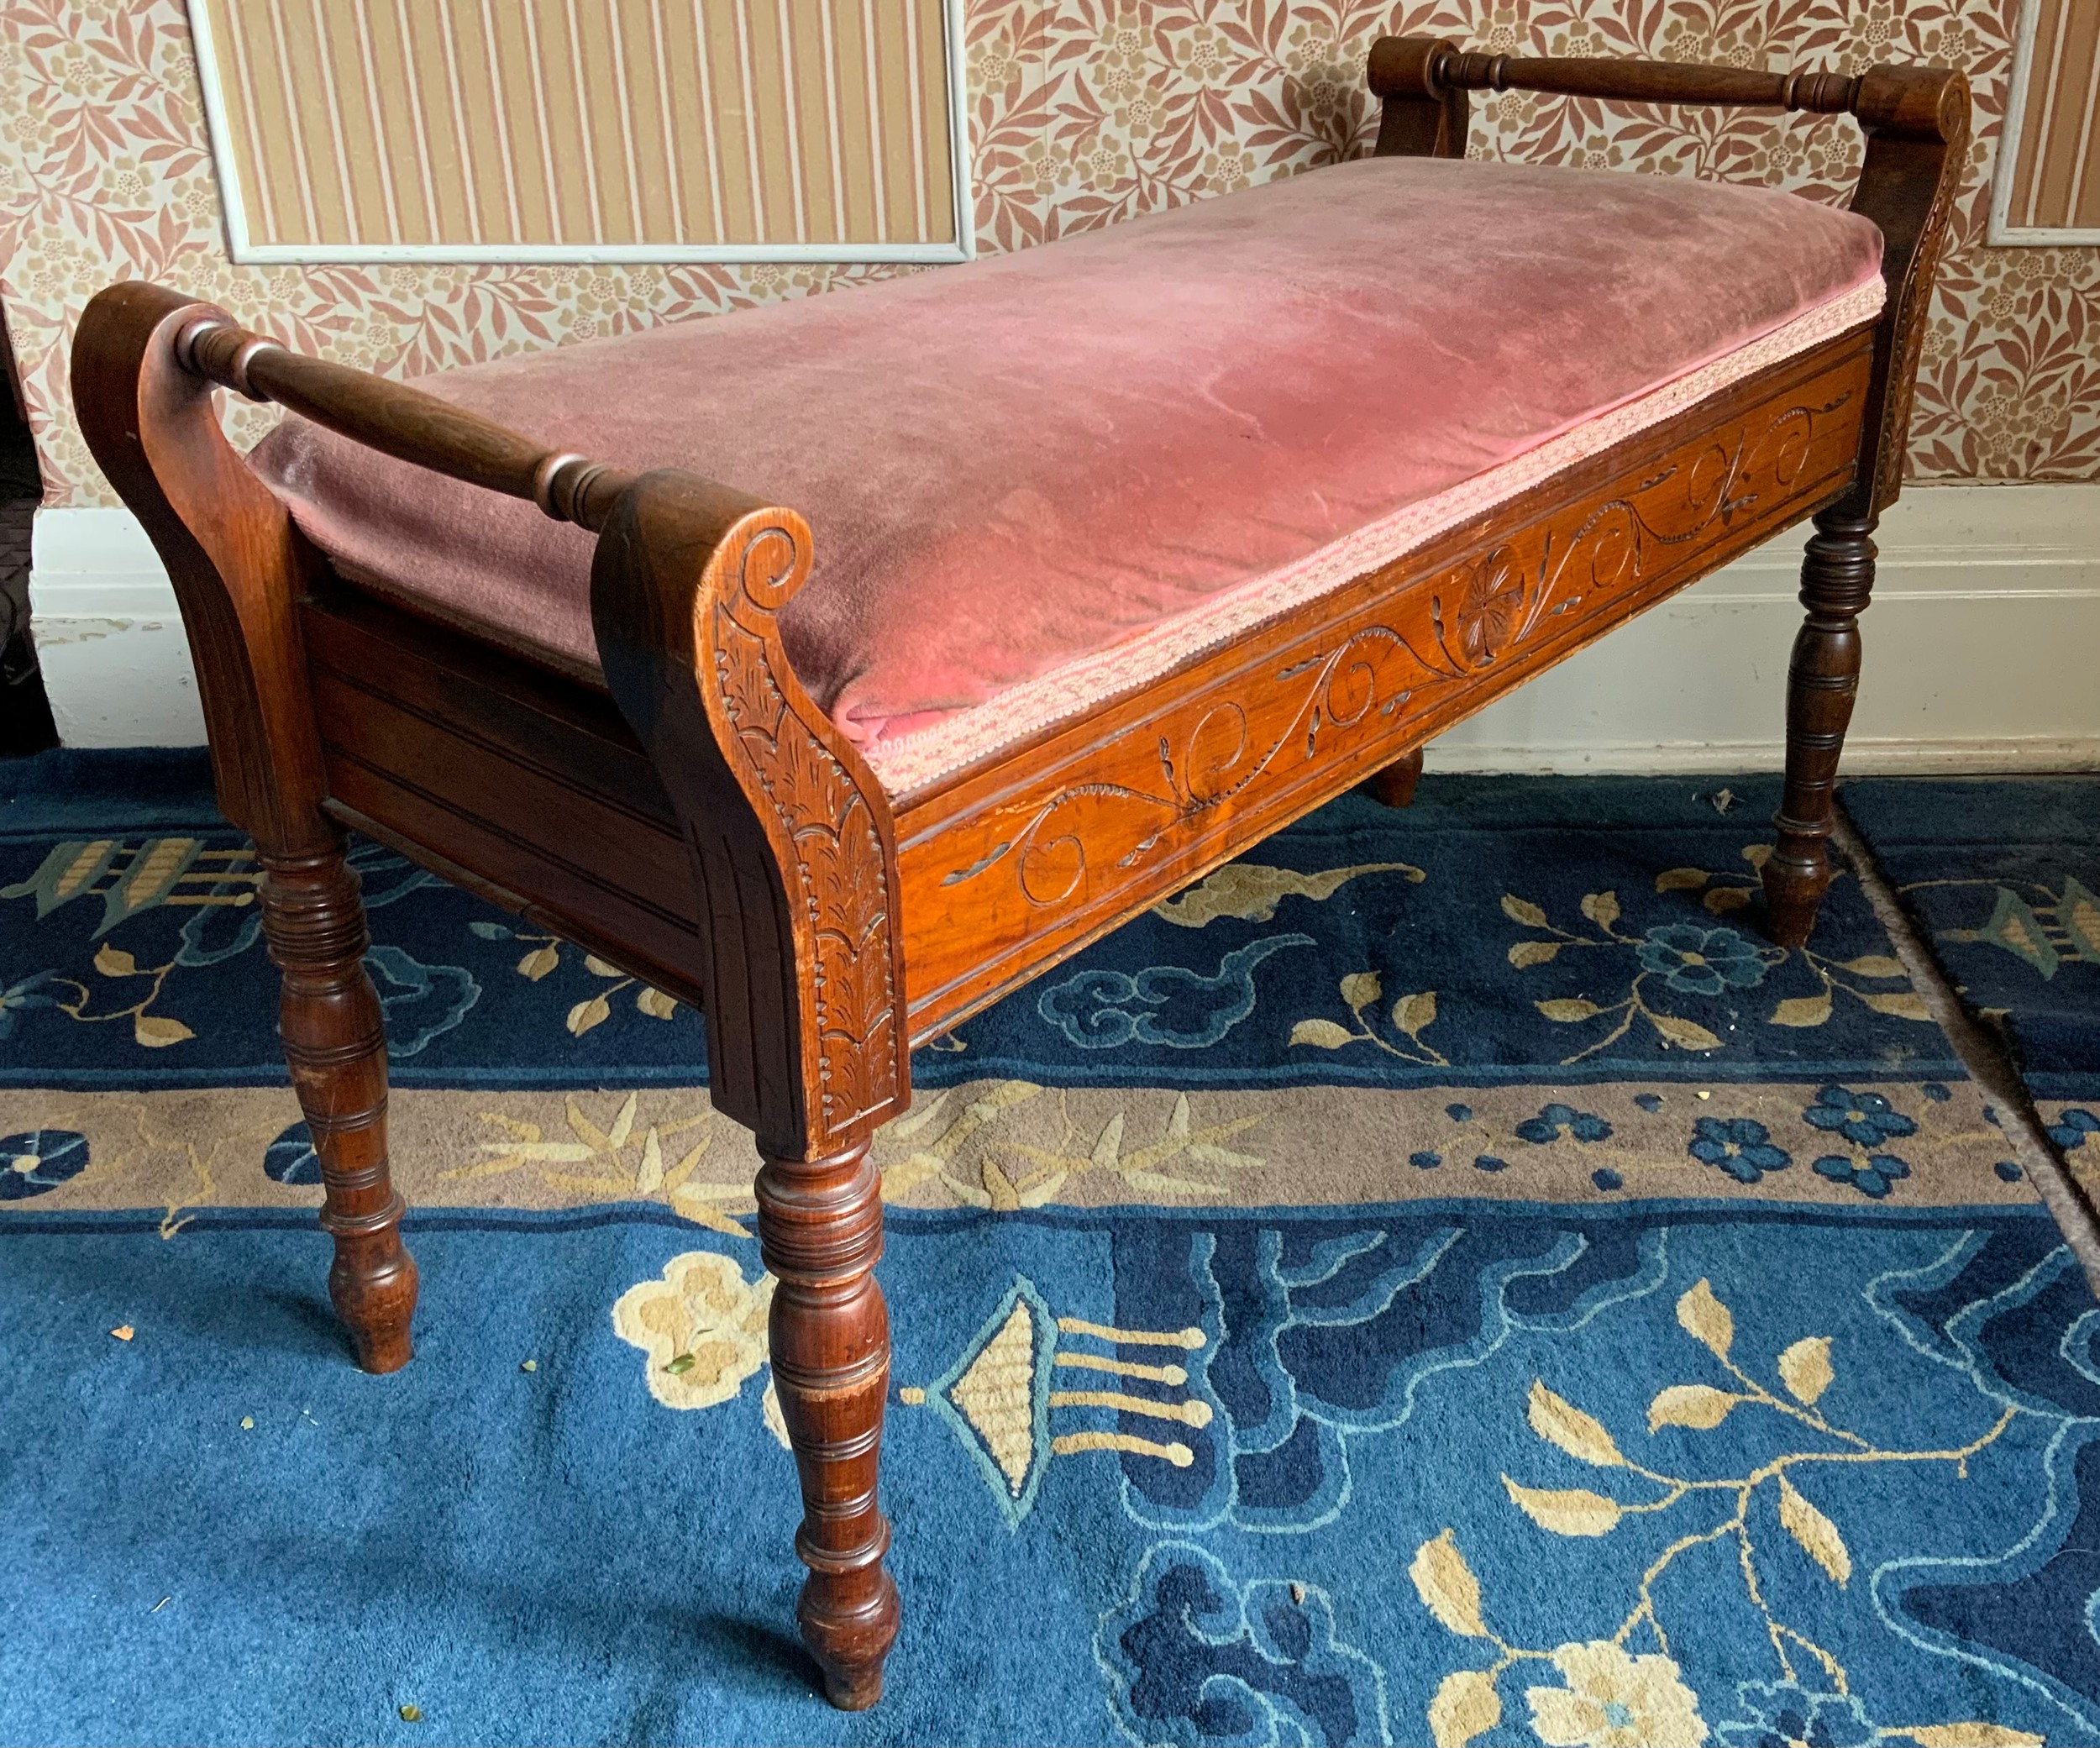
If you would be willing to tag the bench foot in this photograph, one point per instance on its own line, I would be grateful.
(1837, 579)
(852, 1666)
(1395, 785)
(314, 921)
(820, 1228)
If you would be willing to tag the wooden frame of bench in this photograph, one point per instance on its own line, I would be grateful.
(702, 823)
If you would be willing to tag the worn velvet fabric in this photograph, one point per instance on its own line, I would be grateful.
(1014, 466)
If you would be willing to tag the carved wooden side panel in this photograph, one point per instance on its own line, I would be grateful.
(1003, 876)
(787, 827)
(1916, 151)
(834, 854)
(1912, 315)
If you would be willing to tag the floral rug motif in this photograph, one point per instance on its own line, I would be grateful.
(1504, 930)
(1443, 1280)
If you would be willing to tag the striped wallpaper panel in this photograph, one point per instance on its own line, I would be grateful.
(2049, 164)
(536, 130)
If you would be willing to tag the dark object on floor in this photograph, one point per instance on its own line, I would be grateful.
(25, 712)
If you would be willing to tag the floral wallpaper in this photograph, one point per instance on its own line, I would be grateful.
(1082, 112)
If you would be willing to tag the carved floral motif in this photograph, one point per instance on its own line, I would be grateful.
(1487, 613)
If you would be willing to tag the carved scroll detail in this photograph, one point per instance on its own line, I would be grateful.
(841, 886)
(1371, 676)
(1614, 548)
(789, 832)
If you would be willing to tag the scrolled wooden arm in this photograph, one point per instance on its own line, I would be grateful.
(790, 834)
(237, 564)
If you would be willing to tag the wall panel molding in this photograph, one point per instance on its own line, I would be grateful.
(524, 131)
(2047, 187)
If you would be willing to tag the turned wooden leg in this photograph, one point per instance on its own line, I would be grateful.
(819, 1227)
(1836, 579)
(1395, 785)
(314, 921)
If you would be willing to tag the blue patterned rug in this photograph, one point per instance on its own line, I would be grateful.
(2002, 875)
(1444, 1278)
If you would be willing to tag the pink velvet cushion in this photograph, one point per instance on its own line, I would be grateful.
(1032, 478)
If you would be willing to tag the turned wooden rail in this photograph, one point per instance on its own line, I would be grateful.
(402, 422)
(1404, 64)
(1425, 69)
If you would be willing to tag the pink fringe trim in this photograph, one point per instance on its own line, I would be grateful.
(915, 761)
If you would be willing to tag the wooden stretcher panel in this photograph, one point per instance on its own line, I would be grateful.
(526, 786)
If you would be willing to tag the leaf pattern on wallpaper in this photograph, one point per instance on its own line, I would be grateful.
(1081, 112)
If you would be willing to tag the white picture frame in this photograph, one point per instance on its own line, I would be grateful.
(2002, 233)
(244, 251)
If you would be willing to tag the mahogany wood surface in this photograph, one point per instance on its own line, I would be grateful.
(697, 819)
(530, 786)
(1412, 66)
(238, 569)
(792, 859)
(1916, 120)
(336, 1046)
(1917, 125)
(1395, 785)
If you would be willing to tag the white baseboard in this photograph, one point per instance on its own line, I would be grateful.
(1864, 757)
(1979, 656)
(1980, 651)
(109, 637)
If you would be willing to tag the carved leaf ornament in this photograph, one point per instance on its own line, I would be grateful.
(843, 886)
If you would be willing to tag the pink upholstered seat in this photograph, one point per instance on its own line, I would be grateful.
(1039, 481)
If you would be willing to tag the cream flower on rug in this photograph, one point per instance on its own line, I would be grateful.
(703, 1327)
(1615, 1700)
